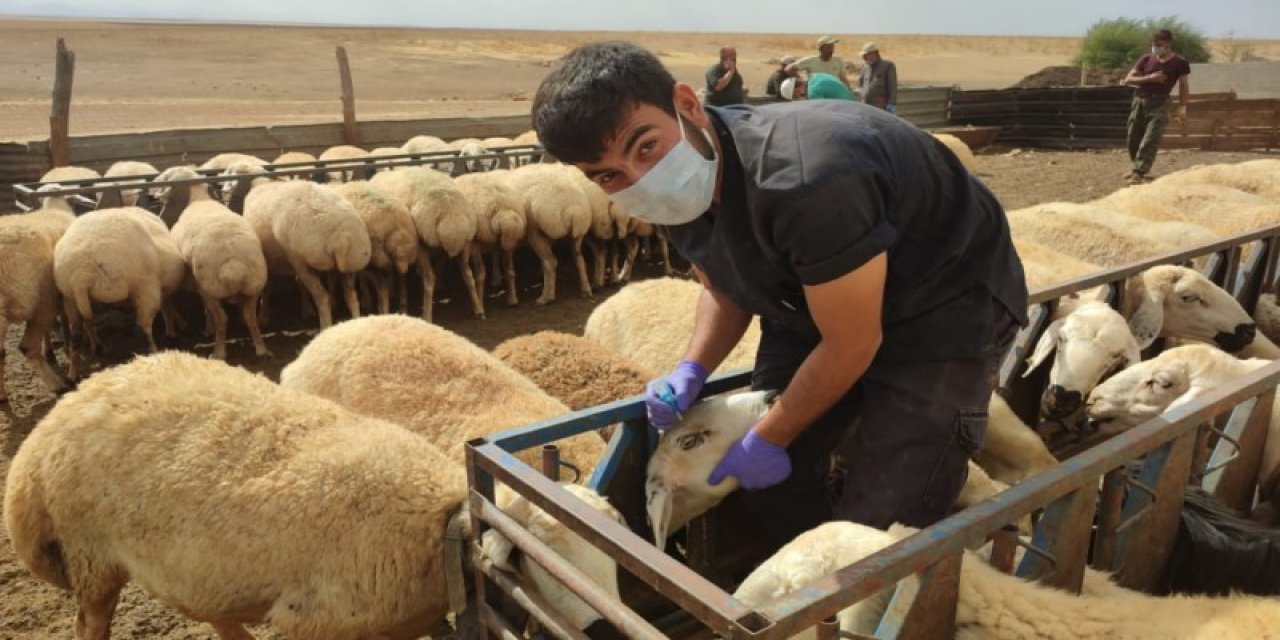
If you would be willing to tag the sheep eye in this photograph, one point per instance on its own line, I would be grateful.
(691, 440)
(1190, 298)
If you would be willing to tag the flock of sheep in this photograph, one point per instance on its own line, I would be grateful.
(323, 504)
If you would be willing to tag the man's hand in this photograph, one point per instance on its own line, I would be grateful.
(755, 462)
(667, 398)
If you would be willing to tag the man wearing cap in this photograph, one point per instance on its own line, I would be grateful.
(878, 81)
(774, 86)
(883, 274)
(724, 83)
(825, 62)
(818, 86)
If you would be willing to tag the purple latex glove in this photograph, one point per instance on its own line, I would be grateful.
(667, 398)
(755, 462)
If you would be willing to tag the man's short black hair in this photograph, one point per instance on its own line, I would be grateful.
(584, 99)
(1163, 35)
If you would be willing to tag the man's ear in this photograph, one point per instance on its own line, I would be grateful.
(686, 99)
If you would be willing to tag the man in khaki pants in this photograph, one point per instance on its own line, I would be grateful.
(1154, 75)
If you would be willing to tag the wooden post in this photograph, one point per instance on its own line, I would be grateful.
(60, 114)
(350, 130)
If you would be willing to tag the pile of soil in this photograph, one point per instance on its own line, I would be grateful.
(1070, 77)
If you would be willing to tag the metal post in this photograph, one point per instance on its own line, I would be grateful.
(551, 462)
(350, 129)
(60, 114)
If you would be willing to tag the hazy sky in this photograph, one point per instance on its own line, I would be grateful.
(1247, 18)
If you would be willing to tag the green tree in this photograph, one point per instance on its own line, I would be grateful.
(1117, 43)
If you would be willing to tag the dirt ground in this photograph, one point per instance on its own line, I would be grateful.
(31, 609)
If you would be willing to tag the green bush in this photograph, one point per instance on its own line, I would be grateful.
(1118, 43)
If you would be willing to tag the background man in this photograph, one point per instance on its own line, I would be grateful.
(774, 86)
(878, 81)
(825, 62)
(1154, 75)
(724, 83)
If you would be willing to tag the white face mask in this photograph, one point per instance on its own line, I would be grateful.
(677, 189)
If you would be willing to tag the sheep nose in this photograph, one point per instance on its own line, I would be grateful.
(1060, 402)
(1237, 340)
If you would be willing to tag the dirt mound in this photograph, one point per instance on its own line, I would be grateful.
(1070, 77)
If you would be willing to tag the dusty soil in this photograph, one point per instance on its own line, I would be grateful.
(1067, 76)
(31, 609)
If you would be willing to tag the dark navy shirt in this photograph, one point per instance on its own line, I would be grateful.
(814, 190)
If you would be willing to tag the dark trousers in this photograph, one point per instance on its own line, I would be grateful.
(894, 449)
(1148, 118)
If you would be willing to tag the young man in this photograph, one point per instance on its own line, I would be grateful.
(774, 86)
(818, 86)
(883, 273)
(724, 83)
(1154, 75)
(878, 81)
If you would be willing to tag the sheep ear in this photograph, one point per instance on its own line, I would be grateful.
(176, 202)
(1148, 319)
(658, 508)
(497, 548)
(1045, 346)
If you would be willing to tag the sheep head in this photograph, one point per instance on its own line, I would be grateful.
(1091, 342)
(598, 566)
(1178, 302)
(60, 203)
(676, 488)
(1142, 391)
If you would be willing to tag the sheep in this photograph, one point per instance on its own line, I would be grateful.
(961, 151)
(640, 231)
(992, 605)
(293, 157)
(651, 322)
(110, 256)
(310, 228)
(384, 152)
(225, 257)
(556, 208)
(445, 219)
(220, 162)
(1044, 267)
(604, 223)
(676, 488)
(574, 370)
(128, 197)
(1011, 451)
(500, 226)
(28, 292)
(1259, 177)
(238, 501)
(527, 138)
(1090, 341)
(1224, 209)
(473, 148)
(497, 145)
(1170, 380)
(70, 174)
(392, 235)
(342, 153)
(441, 386)
(1087, 240)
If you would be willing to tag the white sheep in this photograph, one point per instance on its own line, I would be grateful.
(343, 152)
(1224, 209)
(604, 223)
(310, 229)
(676, 487)
(28, 292)
(526, 138)
(225, 258)
(1089, 342)
(113, 256)
(294, 157)
(237, 501)
(129, 197)
(430, 380)
(392, 235)
(556, 208)
(1011, 451)
(639, 236)
(220, 162)
(992, 605)
(1044, 267)
(1173, 379)
(1090, 233)
(651, 323)
(445, 220)
(496, 145)
(69, 174)
(1259, 177)
(500, 226)
(961, 151)
(384, 152)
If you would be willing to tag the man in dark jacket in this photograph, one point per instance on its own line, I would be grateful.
(724, 83)
(883, 273)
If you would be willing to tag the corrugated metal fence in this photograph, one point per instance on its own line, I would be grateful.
(925, 107)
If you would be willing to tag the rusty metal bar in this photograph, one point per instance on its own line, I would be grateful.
(1062, 532)
(1248, 427)
(971, 526)
(551, 462)
(622, 617)
(1110, 508)
(529, 599)
(1004, 547)
(482, 484)
(828, 629)
(1146, 549)
(703, 599)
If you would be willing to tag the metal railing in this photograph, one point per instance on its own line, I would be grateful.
(1127, 527)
